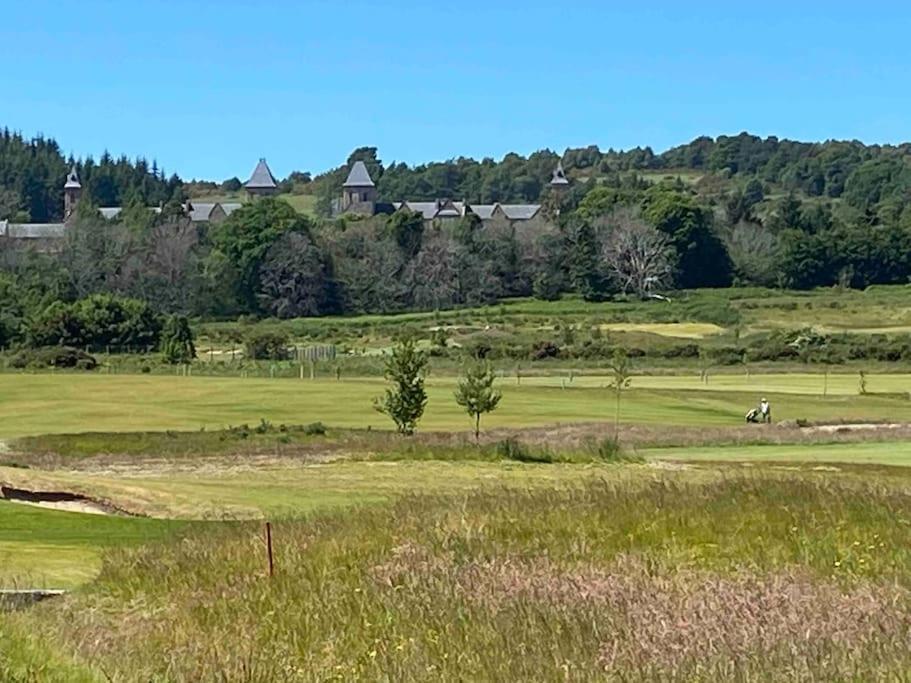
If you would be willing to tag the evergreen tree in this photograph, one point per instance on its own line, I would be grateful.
(177, 345)
(404, 402)
(476, 393)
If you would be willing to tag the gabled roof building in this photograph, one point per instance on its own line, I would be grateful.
(359, 197)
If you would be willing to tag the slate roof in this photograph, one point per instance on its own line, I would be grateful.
(359, 176)
(520, 212)
(27, 231)
(72, 180)
(200, 212)
(439, 209)
(483, 211)
(262, 177)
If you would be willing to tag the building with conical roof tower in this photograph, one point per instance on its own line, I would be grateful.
(262, 182)
(559, 181)
(72, 193)
(359, 191)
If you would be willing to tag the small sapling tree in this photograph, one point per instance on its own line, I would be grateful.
(621, 375)
(476, 393)
(177, 341)
(404, 402)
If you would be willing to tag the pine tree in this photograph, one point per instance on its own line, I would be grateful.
(177, 345)
(476, 393)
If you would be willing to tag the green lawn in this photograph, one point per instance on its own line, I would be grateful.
(68, 403)
(40, 547)
(870, 453)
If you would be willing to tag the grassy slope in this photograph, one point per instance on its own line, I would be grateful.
(40, 547)
(47, 403)
(46, 547)
(523, 586)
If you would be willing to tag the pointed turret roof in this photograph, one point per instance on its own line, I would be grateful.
(72, 180)
(559, 175)
(359, 176)
(262, 177)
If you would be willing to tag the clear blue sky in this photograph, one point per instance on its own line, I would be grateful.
(207, 88)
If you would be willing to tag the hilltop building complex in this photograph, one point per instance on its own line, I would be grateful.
(359, 197)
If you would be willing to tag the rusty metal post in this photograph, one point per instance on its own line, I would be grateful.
(269, 548)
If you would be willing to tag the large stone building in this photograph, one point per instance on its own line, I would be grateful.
(45, 236)
(359, 197)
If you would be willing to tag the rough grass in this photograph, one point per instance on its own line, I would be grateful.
(773, 577)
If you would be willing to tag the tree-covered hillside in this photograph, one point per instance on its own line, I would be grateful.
(32, 174)
(712, 213)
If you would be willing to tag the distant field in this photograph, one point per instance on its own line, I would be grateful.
(65, 403)
(302, 202)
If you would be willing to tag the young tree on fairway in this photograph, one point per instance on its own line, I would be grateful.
(621, 374)
(476, 393)
(404, 403)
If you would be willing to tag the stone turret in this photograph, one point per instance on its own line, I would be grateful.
(559, 186)
(262, 182)
(72, 193)
(559, 181)
(359, 191)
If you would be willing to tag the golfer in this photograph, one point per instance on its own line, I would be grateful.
(765, 411)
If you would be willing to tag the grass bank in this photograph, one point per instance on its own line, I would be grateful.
(771, 577)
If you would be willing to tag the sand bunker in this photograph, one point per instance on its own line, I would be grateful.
(58, 500)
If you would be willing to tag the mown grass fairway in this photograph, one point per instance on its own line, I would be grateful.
(67, 403)
(40, 547)
(874, 453)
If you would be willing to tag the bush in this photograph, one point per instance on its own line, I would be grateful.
(682, 351)
(315, 429)
(54, 357)
(99, 322)
(267, 346)
(610, 450)
(512, 449)
(544, 349)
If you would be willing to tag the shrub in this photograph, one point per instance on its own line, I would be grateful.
(544, 349)
(267, 346)
(55, 357)
(315, 429)
(101, 321)
(512, 449)
(610, 450)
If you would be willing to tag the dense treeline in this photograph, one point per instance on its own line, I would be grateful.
(32, 174)
(748, 211)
